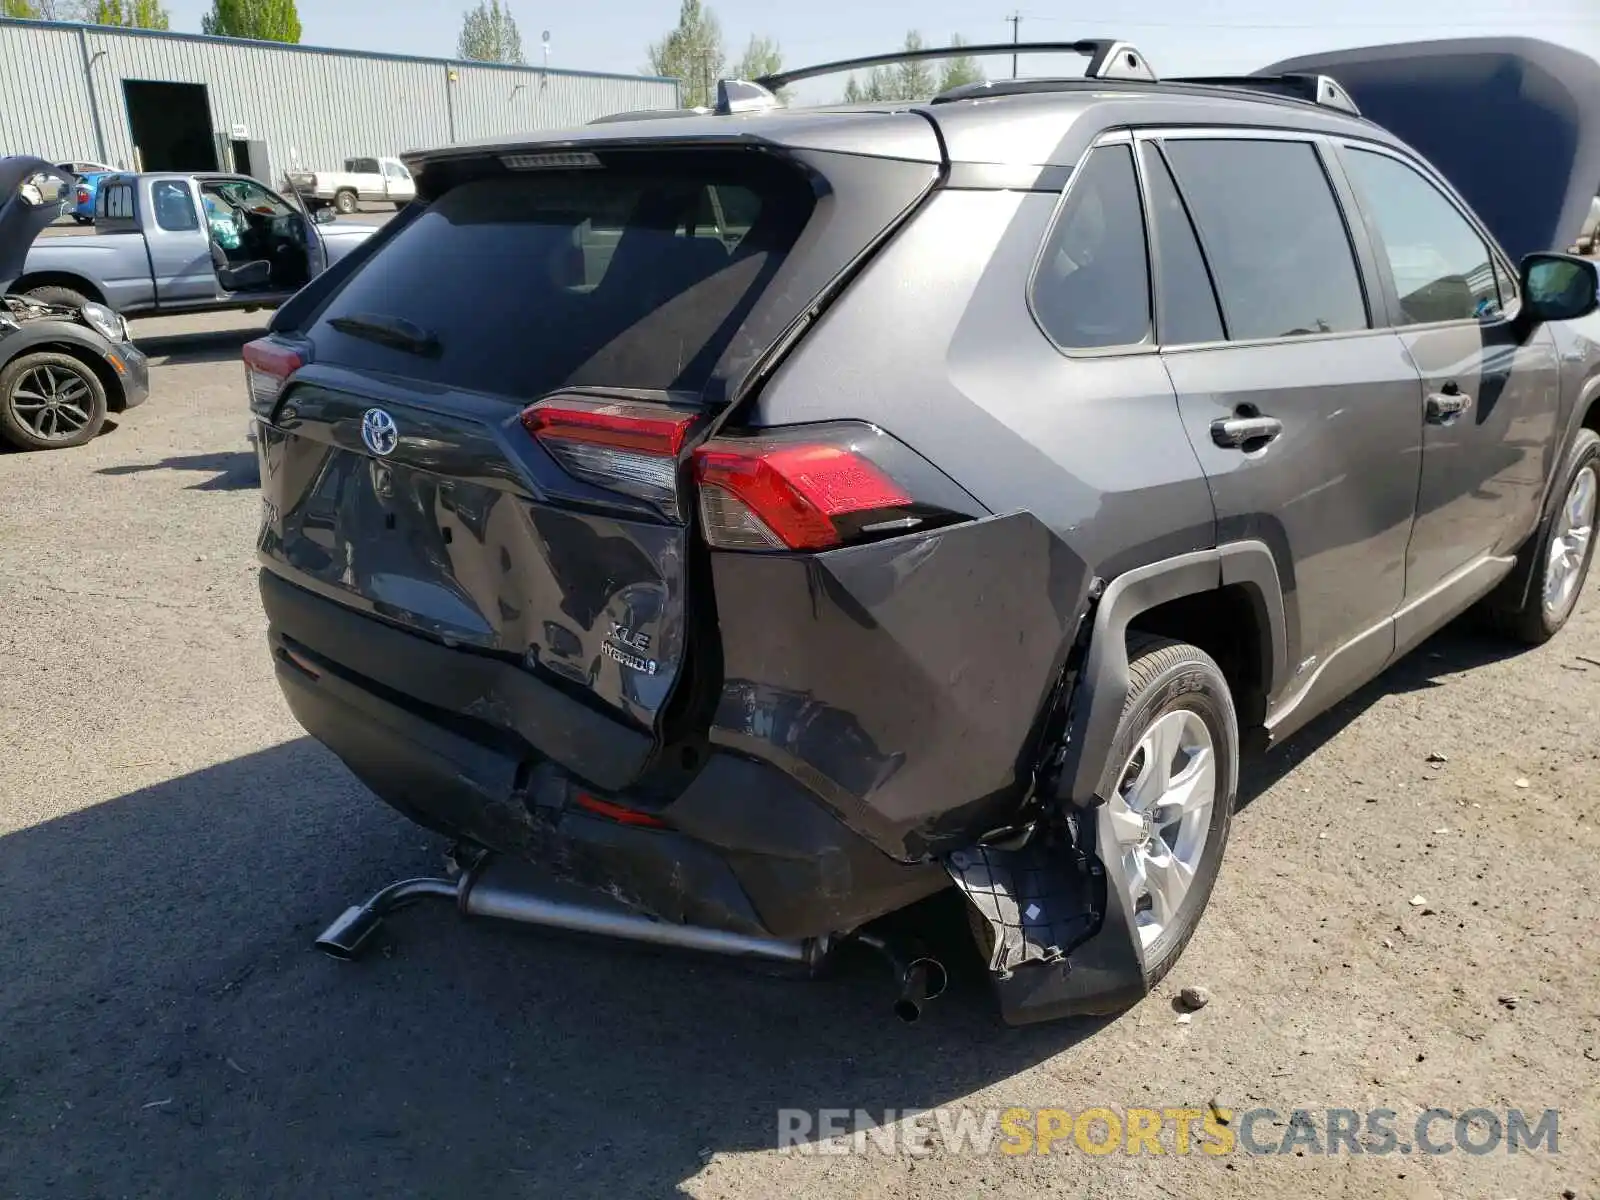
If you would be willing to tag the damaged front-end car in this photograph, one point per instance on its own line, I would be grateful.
(63, 367)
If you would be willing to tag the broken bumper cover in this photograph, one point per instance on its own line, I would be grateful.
(743, 848)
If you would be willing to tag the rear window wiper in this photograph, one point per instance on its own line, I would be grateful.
(395, 332)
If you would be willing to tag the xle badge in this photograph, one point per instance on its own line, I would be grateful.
(628, 648)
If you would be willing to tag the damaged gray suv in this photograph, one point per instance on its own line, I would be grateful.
(766, 518)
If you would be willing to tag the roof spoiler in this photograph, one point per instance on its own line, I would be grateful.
(733, 96)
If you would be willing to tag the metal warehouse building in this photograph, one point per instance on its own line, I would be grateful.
(141, 100)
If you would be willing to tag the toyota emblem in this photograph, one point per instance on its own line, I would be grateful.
(378, 431)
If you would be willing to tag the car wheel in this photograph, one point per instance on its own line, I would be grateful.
(1561, 551)
(83, 220)
(63, 296)
(1170, 788)
(49, 401)
(345, 202)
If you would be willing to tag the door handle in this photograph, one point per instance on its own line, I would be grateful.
(1448, 403)
(1234, 432)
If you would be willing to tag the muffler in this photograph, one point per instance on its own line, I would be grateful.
(919, 978)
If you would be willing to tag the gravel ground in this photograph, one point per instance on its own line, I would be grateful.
(170, 843)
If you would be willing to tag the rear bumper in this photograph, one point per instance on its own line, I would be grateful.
(744, 847)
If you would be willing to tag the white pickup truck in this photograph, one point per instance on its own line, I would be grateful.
(363, 180)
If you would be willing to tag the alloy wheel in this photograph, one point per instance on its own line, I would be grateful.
(1161, 817)
(1569, 544)
(53, 401)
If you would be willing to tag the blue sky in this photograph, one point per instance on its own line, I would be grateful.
(1179, 36)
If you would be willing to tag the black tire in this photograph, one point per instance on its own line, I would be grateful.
(1526, 618)
(82, 220)
(399, 205)
(345, 202)
(1166, 677)
(24, 427)
(55, 294)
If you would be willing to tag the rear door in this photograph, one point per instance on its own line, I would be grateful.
(484, 447)
(1304, 410)
(1492, 393)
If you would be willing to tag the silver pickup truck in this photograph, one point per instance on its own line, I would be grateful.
(186, 243)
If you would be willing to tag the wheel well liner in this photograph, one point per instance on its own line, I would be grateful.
(1237, 582)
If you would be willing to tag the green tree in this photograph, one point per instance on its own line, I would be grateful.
(137, 14)
(960, 71)
(258, 20)
(761, 57)
(489, 33)
(692, 53)
(915, 79)
(23, 9)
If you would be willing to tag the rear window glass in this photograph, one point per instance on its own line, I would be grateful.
(634, 275)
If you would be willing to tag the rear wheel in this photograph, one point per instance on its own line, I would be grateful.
(49, 401)
(345, 202)
(1562, 550)
(1165, 821)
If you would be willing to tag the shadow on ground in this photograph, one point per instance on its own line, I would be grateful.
(170, 1031)
(1459, 647)
(184, 349)
(229, 471)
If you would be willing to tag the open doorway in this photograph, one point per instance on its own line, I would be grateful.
(171, 125)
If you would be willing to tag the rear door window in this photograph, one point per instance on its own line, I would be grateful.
(1091, 289)
(1273, 234)
(1442, 268)
(1186, 303)
(524, 282)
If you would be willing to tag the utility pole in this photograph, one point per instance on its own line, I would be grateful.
(1016, 25)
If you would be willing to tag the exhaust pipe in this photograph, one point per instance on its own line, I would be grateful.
(919, 978)
(476, 896)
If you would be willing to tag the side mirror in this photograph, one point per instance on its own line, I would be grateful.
(1560, 287)
(324, 216)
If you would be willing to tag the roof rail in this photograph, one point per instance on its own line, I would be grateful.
(1315, 89)
(1108, 59)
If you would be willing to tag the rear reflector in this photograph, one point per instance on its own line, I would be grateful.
(623, 447)
(757, 494)
(267, 365)
(618, 813)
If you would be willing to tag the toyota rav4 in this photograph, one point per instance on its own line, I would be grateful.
(768, 518)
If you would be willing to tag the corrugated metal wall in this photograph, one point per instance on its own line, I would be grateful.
(314, 107)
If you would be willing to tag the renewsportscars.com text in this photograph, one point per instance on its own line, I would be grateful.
(1178, 1131)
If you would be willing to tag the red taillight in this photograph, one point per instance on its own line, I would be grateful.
(618, 813)
(83, 195)
(763, 495)
(621, 446)
(267, 364)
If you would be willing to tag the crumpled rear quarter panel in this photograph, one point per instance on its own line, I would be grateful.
(900, 681)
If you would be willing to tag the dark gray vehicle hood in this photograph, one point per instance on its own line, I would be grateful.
(1513, 123)
(31, 191)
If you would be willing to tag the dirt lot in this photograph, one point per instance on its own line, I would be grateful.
(169, 845)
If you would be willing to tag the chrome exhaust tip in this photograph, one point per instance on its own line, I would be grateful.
(924, 980)
(349, 934)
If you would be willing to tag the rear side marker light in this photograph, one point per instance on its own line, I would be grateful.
(760, 495)
(267, 367)
(621, 446)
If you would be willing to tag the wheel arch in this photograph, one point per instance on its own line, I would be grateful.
(64, 279)
(116, 396)
(1229, 598)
